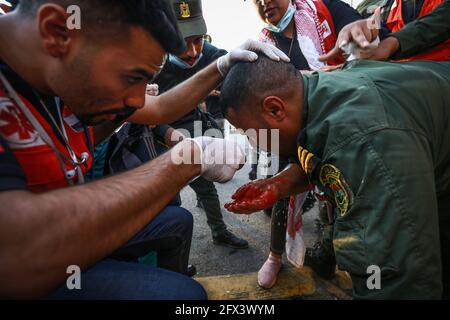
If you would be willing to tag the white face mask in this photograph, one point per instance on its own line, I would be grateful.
(284, 22)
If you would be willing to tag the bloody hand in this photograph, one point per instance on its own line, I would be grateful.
(253, 197)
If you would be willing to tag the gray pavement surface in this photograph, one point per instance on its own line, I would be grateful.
(213, 260)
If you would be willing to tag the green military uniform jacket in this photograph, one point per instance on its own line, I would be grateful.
(376, 141)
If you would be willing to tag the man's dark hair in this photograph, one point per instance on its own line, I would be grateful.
(248, 83)
(155, 16)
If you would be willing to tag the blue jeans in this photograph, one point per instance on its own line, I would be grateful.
(121, 277)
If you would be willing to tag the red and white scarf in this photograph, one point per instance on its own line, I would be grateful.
(310, 32)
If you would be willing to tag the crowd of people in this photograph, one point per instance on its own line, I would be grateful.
(93, 121)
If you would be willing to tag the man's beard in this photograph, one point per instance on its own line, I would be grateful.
(121, 116)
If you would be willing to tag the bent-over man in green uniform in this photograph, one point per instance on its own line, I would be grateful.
(374, 139)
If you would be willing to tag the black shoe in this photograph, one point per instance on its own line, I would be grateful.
(321, 259)
(191, 270)
(253, 175)
(268, 212)
(226, 238)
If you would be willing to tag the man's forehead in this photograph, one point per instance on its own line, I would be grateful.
(146, 63)
(193, 38)
(143, 52)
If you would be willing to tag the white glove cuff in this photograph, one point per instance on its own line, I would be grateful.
(220, 67)
(200, 147)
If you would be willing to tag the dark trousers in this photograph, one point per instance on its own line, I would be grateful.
(205, 190)
(279, 220)
(122, 277)
(279, 226)
(444, 232)
(207, 195)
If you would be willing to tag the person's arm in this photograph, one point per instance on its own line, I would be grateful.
(415, 37)
(150, 114)
(181, 99)
(342, 14)
(263, 194)
(361, 33)
(169, 135)
(41, 235)
(423, 33)
(169, 106)
(291, 181)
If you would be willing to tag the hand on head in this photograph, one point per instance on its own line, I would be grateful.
(248, 52)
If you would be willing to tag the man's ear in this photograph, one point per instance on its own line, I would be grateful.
(52, 24)
(274, 108)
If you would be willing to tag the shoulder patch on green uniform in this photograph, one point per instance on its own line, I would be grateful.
(332, 177)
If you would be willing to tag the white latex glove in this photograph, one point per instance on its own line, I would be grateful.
(247, 52)
(353, 51)
(220, 159)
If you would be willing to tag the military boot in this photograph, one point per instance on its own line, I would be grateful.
(321, 257)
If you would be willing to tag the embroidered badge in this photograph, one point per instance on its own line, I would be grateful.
(325, 29)
(15, 128)
(185, 10)
(331, 177)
